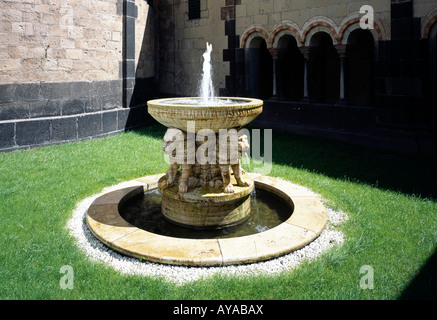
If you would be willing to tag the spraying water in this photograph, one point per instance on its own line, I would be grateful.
(206, 88)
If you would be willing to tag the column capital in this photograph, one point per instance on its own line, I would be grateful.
(341, 50)
(306, 52)
(276, 52)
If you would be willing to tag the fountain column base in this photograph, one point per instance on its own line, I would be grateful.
(205, 207)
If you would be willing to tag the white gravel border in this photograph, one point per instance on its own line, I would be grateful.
(179, 275)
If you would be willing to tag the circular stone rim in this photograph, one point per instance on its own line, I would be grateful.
(213, 117)
(246, 103)
(304, 225)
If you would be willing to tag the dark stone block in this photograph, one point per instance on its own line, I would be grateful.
(116, 86)
(232, 2)
(7, 93)
(240, 69)
(240, 83)
(233, 41)
(129, 50)
(401, 29)
(33, 132)
(129, 38)
(56, 90)
(7, 133)
(44, 108)
(122, 116)
(129, 68)
(109, 121)
(229, 26)
(64, 129)
(89, 125)
(230, 83)
(102, 88)
(400, 49)
(127, 96)
(416, 28)
(10, 111)
(223, 92)
(239, 55)
(82, 89)
(92, 105)
(402, 9)
(228, 55)
(27, 92)
(75, 106)
(130, 83)
(109, 102)
(131, 10)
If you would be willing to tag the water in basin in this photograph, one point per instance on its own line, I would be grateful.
(144, 212)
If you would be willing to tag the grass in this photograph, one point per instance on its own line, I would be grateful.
(390, 199)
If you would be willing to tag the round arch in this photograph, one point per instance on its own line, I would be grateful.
(352, 22)
(286, 28)
(253, 32)
(428, 22)
(318, 24)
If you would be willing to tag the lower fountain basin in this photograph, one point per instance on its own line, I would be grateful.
(306, 222)
(221, 113)
(144, 211)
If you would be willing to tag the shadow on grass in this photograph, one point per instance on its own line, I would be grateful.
(424, 285)
(405, 173)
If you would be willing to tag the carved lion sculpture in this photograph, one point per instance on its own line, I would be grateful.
(209, 174)
(243, 146)
(174, 145)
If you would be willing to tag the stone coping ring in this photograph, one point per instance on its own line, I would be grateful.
(304, 225)
(176, 113)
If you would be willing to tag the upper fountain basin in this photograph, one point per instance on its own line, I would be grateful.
(218, 113)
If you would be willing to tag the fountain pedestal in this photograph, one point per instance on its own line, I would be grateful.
(206, 207)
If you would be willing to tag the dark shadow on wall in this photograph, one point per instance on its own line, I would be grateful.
(145, 85)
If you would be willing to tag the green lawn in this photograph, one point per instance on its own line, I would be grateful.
(391, 200)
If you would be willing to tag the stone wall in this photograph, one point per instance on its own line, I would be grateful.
(60, 40)
(62, 69)
(182, 43)
(401, 75)
(301, 13)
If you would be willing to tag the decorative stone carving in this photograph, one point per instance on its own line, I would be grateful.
(215, 173)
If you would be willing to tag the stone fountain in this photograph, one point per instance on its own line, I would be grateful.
(206, 189)
(203, 141)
